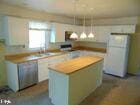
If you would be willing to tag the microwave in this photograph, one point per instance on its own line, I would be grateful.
(67, 36)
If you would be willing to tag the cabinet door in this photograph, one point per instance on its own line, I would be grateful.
(104, 32)
(116, 29)
(128, 29)
(58, 33)
(123, 29)
(18, 31)
(70, 28)
(43, 69)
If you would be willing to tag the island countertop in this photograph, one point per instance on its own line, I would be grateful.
(76, 64)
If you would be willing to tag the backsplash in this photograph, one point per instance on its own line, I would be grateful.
(90, 44)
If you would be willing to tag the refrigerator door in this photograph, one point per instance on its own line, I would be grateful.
(118, 40)
(116, 61)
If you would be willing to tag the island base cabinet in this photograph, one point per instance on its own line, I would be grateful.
(71, 89)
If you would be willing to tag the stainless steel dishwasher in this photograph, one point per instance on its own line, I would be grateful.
(27, 74)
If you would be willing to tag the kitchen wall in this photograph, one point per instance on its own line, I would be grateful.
(139, 20)
(138, 28)
(2, 65)
(134, 55)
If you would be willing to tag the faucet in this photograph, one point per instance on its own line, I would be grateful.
(42, 48)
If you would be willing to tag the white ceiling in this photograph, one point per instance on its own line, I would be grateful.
(102, 8)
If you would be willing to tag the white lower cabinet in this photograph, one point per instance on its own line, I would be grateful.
(43, 69)
(43, 65)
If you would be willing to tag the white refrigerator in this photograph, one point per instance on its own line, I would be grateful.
(117, 55)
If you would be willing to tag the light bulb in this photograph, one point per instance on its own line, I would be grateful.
(91, 35)
(73, 36)
(83, 35)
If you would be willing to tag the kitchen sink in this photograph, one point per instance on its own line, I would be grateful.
(47, 54)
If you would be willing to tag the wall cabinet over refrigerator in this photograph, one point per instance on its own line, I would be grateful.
(123, 29)
(16, 30)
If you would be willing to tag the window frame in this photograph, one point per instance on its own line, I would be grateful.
(37, 48)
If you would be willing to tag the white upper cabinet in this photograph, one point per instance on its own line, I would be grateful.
(68, 27)
(103, 33)
(58, 32)
(16, 30)
(123, 29)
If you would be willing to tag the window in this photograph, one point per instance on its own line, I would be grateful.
(39, 34)
(36, 38)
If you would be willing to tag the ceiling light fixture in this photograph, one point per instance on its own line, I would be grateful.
(83, 35)
(74, 35)
(91, 35)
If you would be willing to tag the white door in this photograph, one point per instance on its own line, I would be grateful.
(116, 61)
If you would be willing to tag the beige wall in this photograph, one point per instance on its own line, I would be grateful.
(2, 66)
(139, 20)
(138, 26)
(134, 55)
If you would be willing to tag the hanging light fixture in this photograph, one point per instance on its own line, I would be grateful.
(83, 35)
(91, 35)
(74, 35)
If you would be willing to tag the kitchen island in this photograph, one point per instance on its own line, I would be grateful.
(71, 81)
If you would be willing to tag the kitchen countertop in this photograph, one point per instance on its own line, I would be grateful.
(76, 64)
(23, 57)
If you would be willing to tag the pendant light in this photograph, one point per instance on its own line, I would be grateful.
(91, 35)
(74, 35)
(83, 35)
